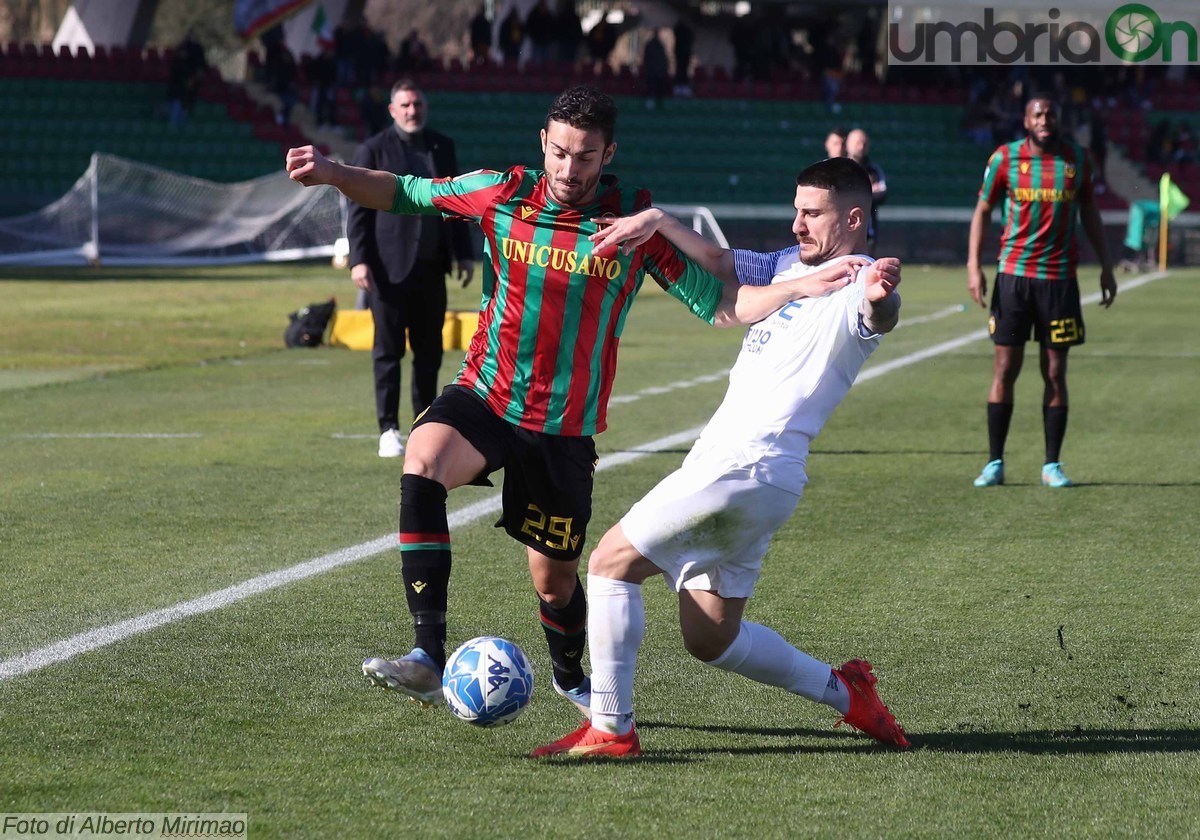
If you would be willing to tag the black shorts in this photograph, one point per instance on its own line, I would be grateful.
(1050, 308)
(547, 493)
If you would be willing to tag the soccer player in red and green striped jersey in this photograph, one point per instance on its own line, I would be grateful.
(538, 373)
(1046, 184)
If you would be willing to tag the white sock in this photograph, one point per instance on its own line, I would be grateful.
(763, 655)
(616, 625)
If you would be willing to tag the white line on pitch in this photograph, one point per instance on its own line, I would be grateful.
(99, 435)
(43, 657)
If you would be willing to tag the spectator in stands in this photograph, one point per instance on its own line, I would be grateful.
(349, 43)
(867, 44)
(1158, 143)
(685, 42)
(828, 63)
(1183, 146)
(1008, 112)
(413, 55)
(321, 71)
(512, 36)
(184, 74)
(481, 36)
(835, 142)
(403, 261)
(375, 61)
(741, 37)
(656, 70)
(568, 32)
(977, 123)
(1098, 144)
(280, 68)
(540, 27)
(858, 146)
(601, 39)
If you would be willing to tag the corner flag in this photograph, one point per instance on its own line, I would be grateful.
(1171, 202)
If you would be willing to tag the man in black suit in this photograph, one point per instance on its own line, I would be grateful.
(402, 261)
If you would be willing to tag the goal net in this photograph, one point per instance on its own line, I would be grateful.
(121, 212)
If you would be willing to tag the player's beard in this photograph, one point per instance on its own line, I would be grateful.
(813, 257)
(581, 191)
(1050, 141)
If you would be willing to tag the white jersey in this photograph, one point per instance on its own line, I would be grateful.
(794, 368)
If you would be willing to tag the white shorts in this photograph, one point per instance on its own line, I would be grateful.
(708, 525)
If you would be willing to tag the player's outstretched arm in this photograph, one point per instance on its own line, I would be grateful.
(742, 305)
(368, 187)
(628, 232)
(881, 304)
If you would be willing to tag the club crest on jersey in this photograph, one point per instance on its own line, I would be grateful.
(1024, 167)
(1070, 170)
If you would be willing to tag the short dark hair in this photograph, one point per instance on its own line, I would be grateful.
(1045, 97)
(586, 108)
(406, 84)
(841, 176)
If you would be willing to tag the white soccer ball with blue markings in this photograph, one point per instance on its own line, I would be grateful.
(488, 681)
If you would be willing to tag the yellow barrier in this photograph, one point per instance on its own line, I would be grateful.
(354, 329)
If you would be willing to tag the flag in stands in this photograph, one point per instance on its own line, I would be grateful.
(253, 17)
(321, 28)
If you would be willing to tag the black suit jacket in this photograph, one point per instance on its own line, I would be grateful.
(387, 242)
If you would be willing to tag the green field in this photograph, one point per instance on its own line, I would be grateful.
(158, 444)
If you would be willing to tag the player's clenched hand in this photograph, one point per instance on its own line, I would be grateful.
(306, 165)
(627, 232)
(882, 277)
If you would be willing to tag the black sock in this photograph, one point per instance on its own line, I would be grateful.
(425, 560)
(566, 636)
(999, 416)
(1054, 420)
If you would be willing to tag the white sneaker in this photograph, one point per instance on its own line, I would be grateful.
(414, 674)
(390, 445)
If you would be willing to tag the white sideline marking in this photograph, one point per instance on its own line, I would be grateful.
(98, 435)
(933, 316)
(91, 640)
(36, 660)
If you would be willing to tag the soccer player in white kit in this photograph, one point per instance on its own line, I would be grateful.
(706, 527)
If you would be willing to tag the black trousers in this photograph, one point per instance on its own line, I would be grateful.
(413, 309)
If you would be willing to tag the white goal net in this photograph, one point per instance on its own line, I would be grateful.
(121, 212)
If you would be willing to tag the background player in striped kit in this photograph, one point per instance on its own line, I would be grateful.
(534, 386)
(1043, 180)
(706, 527)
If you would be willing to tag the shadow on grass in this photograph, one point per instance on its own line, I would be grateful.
(1074, 741)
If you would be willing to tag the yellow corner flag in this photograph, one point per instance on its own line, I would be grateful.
(1171, 202)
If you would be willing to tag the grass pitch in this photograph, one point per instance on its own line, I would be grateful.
(158, 444)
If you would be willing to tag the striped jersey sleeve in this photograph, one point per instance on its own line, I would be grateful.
(681, 278)
(758, 269)
(995, 177)
(467, 196)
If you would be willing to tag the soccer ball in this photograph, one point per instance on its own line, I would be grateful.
(487, 682)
